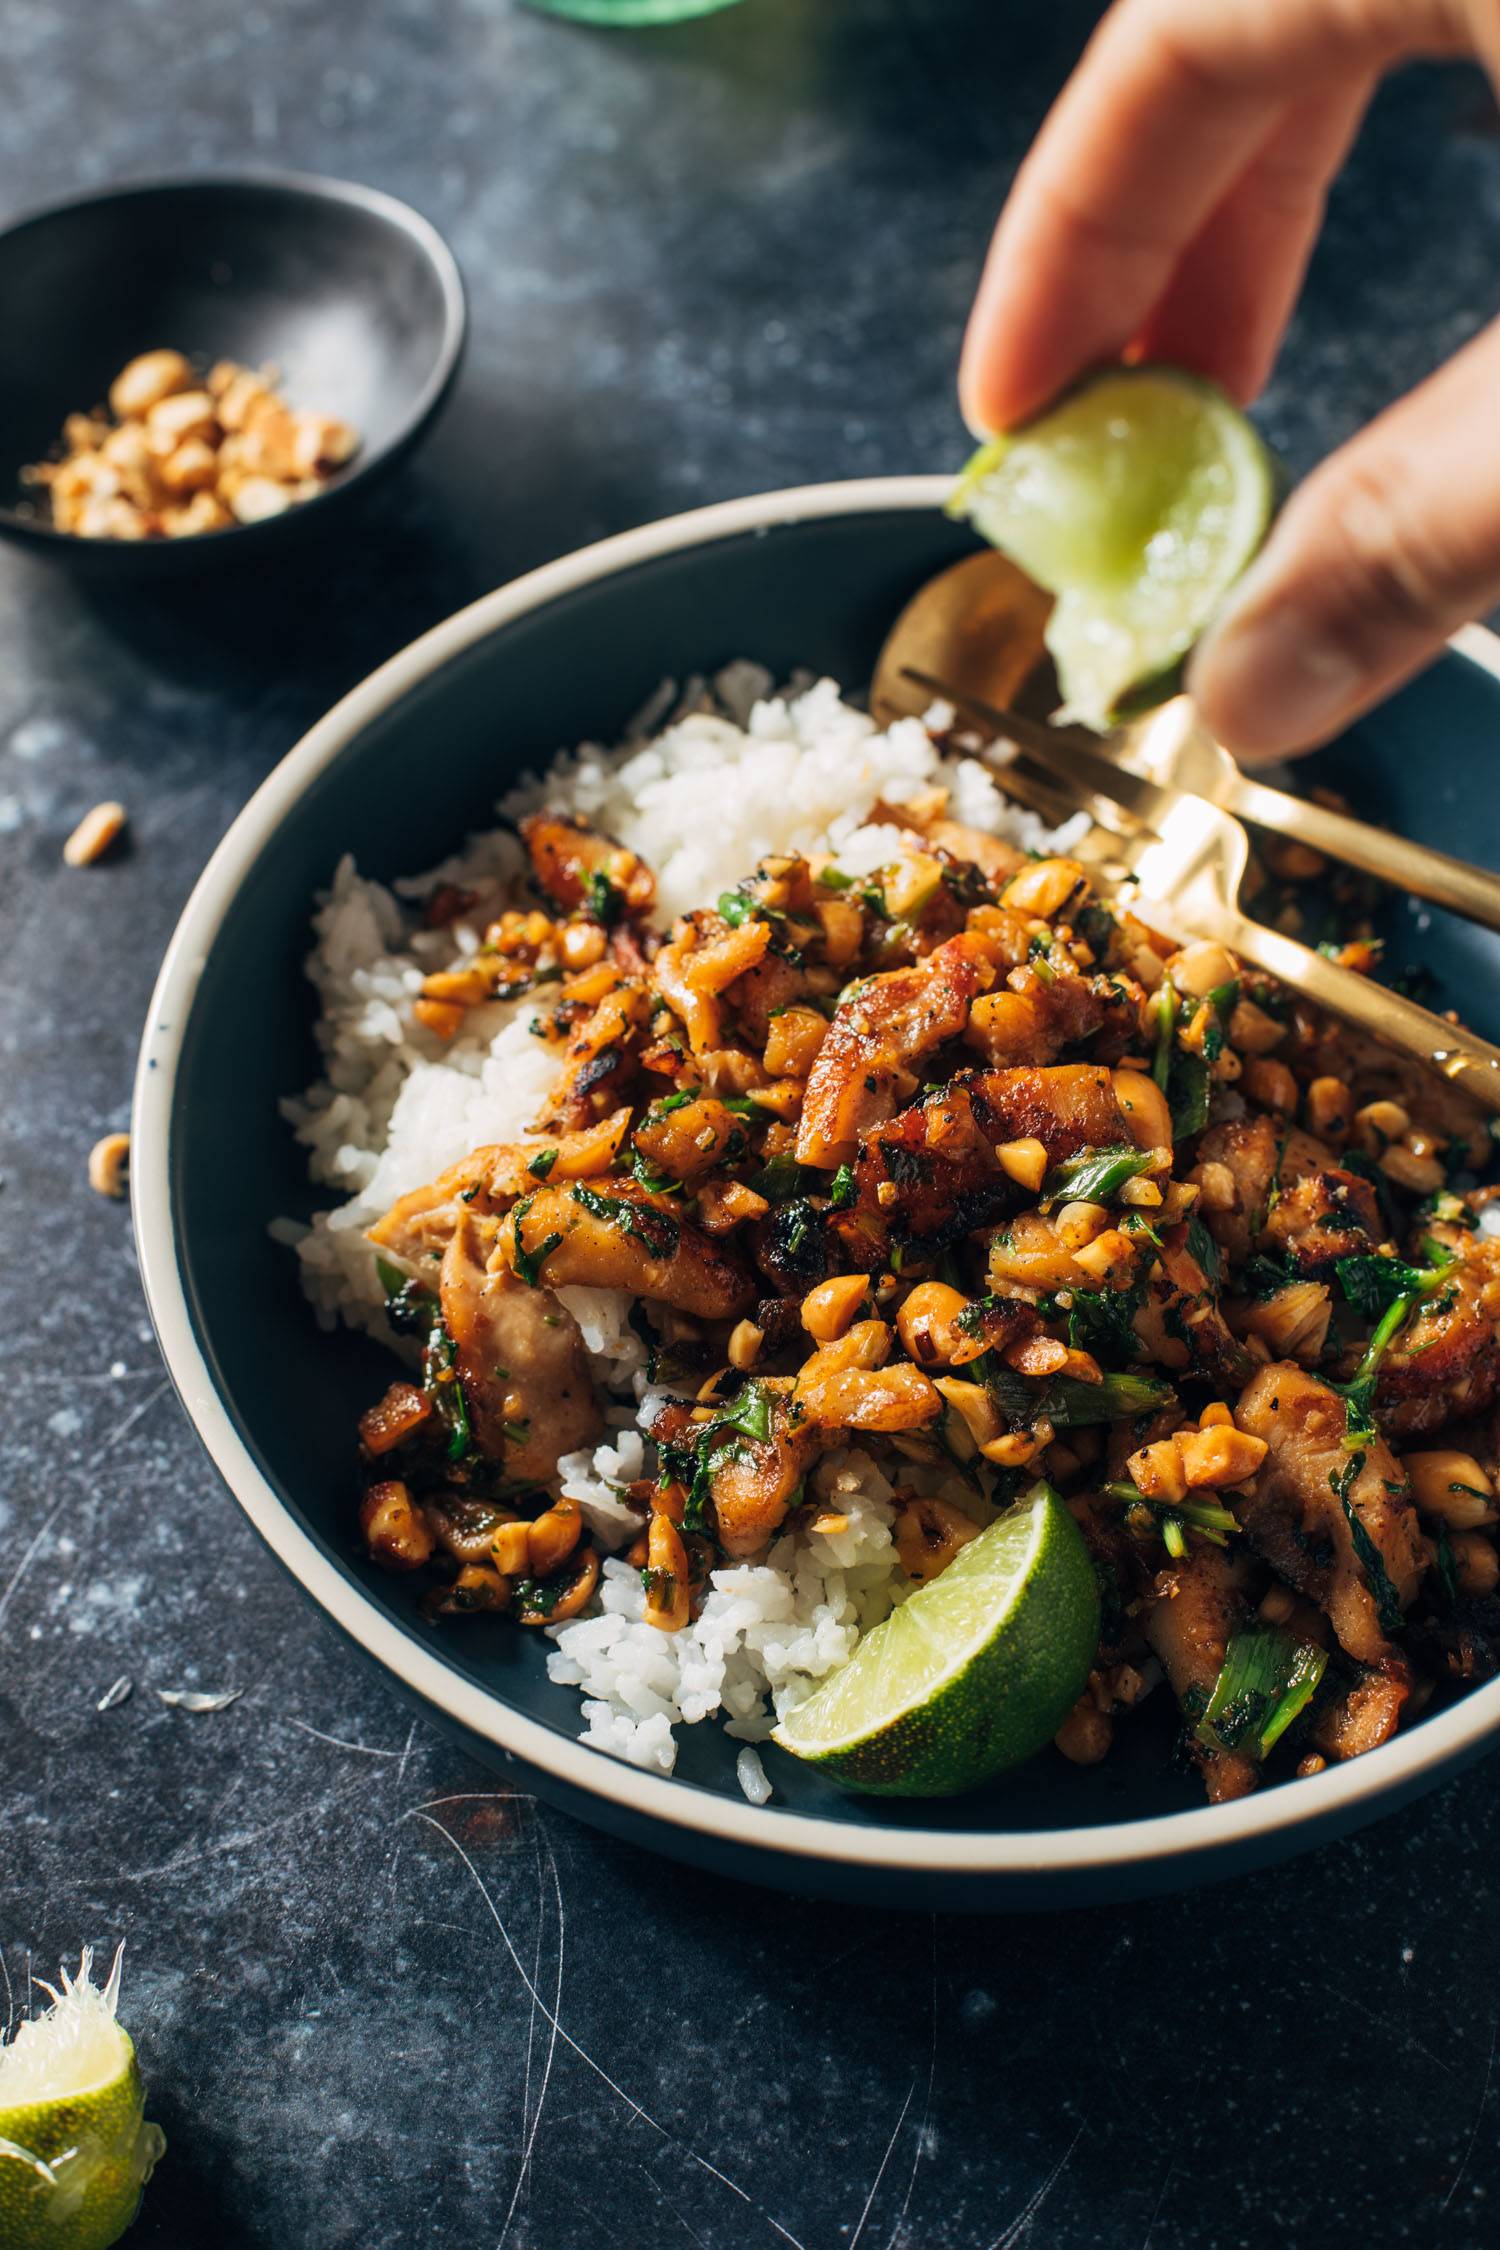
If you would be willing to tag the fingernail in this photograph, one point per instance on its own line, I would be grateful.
(1267, 683)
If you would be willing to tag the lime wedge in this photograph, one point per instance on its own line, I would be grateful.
(972, 1674)
(1137, 501)
(75, 2148)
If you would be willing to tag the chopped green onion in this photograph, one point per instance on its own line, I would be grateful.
(1095, 1175)
(1166, 1031)
(1267, 1679)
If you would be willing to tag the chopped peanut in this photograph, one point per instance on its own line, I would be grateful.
(1451, 1486)
(1024, 1161)
(668, 1592)
(828, 1309)
(745, 1341)
(1271, 1084)
(1217, 1457)
(109, 1164)
(1086, 1734)
(403, 1410)
(148, 379)
(928, 1326)
(395, 1531)
(94, 835)
(1143, 1106)
(929, 1533)
(1200, 969)
(1043, 887)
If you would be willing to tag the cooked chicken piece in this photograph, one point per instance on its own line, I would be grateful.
(1196, 1608)
(685, 1139)
(1180, 1323)
(765, 989)
(571, 862)
(520, 1358)
(418, 1227)
(931, 1174)
(601, 1059)
(995, 859)
(1290, 1196)
(697, 967)
(1445, 1361)
(617, 1237)
(1068, 1107)
(846, 1384)
(1360, 1716)
(1036, 1017)
(888, 1025)
(1296, 1518)
(754, 1480)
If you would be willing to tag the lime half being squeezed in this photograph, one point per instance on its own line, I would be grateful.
(972, 1674)
(75, 2148)
(1137, 501)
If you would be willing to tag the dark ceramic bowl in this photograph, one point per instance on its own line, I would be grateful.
(395, 774)
(353, 296)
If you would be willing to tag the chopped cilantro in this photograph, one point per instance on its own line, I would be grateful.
(1203, 1249)
(603, 901)
(528, 1263)
(657, 1232)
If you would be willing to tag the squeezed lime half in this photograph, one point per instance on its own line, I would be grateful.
(1137, 501)
(75, 2148)
(972, 1674)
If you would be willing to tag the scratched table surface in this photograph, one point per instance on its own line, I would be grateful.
(380, 2003)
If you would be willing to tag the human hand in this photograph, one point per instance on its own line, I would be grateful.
(1167, 211)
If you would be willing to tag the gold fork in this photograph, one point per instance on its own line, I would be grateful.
(1189, 858)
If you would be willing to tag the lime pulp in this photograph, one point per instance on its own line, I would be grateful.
(1137, 501)
(76, 2150)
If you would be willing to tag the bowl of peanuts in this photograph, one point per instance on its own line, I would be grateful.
(227, 357)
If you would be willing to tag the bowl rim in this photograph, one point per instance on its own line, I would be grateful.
(1340, 1796)
(252, 180)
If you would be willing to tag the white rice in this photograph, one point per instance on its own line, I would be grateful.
(701, 802)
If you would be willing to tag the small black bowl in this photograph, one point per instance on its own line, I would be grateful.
(353, 296)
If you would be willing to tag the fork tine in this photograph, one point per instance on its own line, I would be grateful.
(1032, 776)
(1092, 777)
(1038, 792)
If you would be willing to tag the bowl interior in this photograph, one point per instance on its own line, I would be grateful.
(339, 292)
(816, 594)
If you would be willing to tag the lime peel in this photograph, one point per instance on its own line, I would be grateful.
(1136, 500)
(75, 2148)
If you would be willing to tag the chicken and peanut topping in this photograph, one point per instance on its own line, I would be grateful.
(968, 1166)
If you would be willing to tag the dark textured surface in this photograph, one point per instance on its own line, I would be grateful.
(379, 2004)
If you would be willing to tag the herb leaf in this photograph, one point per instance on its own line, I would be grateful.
(657, 1232)
(1382, 1592)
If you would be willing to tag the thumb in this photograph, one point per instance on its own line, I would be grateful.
(1386, 549)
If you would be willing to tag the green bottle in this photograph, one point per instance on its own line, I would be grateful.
(630, 11)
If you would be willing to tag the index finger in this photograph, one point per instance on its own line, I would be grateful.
(1170, 103)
